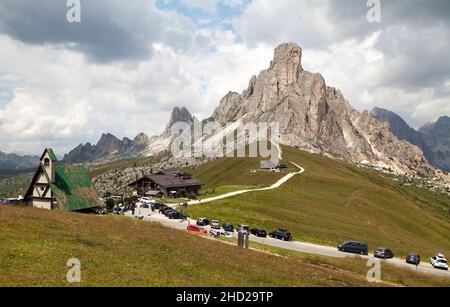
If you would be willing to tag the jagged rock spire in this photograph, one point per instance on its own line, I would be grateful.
(178, 115)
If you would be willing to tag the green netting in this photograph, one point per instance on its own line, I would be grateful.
(73, 188)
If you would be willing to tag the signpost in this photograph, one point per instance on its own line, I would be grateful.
(243, 239)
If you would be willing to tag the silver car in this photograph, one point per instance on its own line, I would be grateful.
(220, 233)
(215, 224)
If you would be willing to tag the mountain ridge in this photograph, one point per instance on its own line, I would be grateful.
(13, 161)
(432, 138)
(316, 117)
(109, 147)
(437, 138)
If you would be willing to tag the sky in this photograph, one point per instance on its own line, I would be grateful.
(128, 63)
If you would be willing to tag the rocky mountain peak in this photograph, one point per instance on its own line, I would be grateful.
(289, 54)
(178, 115)
(437, 137)
(315, 117)
(142, 139)
(108, 143)
(108, 147)
(442, 126)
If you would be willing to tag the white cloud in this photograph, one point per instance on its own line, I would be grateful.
(62, 98)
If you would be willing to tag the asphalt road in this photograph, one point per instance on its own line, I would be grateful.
(304, 247)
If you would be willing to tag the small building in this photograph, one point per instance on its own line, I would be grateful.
(60, 186)
(271, 165)
(169, 185)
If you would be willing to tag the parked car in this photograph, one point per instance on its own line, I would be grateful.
(163, 207)
(383, 253)
(413, 258)
(168, 211)
(243, 228)
(195, 228)
(175, 215)
(281, 234)
(145, 206)
(157, 206)
(202, 222)
(354, 247)
(215, 224)
(259, 232)
(145, 200)
(439, 262)
(220, 233)
(440, 256)
(118, 210)
(228, 227)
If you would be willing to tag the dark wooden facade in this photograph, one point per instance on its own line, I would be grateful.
(167, 185)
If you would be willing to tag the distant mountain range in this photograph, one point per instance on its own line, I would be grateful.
(432, 138)
(110, 148)
(16, 162)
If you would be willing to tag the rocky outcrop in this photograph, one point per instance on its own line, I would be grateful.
(402, 130)
(13, 161)
(437, 138)
(108, 147)
(317, 118)
(178, 115)
(433, 138)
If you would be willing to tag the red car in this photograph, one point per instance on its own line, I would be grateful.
(195, 228)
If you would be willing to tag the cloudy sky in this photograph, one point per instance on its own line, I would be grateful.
(128, 63)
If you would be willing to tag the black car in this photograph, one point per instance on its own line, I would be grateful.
(383, 253)
(157, 206)
(259, 232)
(202, 222)
(281, 234)
(228, 227)
(413, 259)
(242, 228)
(354, 247)
(167, 211)
(175, 215)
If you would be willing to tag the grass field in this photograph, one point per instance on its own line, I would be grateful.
(333, 202)
(35, 246)
(237, 172)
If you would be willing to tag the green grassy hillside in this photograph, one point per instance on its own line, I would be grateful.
(235, 171)
(333, 202)
(118, 251)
